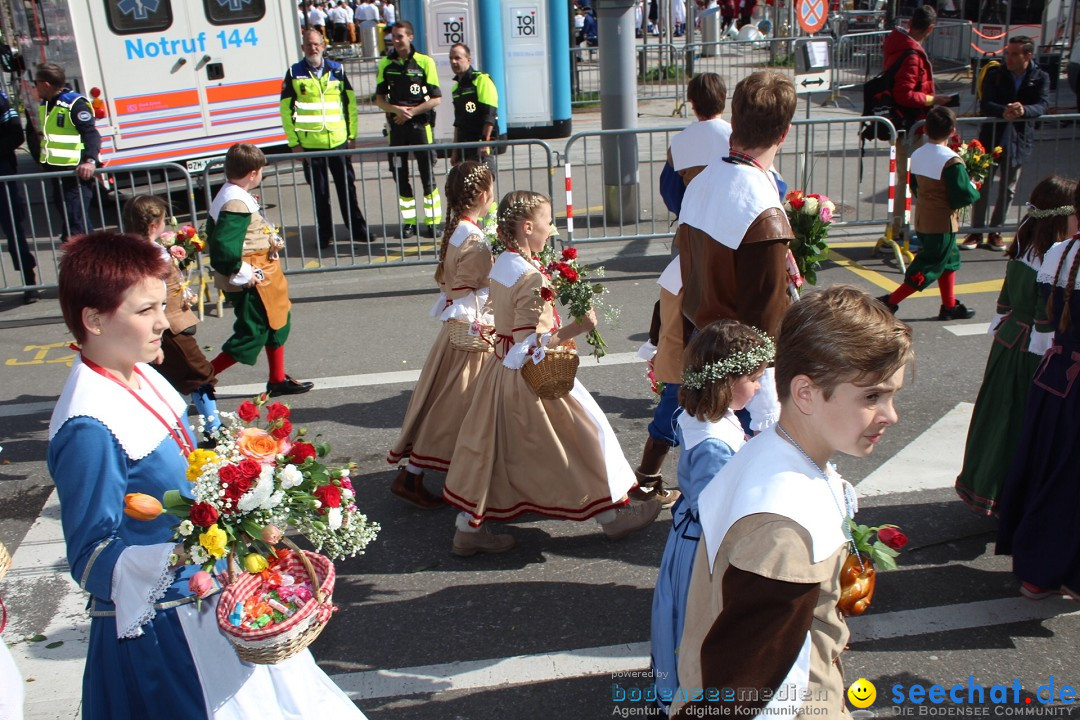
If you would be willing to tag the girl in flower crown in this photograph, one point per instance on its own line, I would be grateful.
(521, 453)
(998, 416)
(184, 364)
(443, 394)
(723, 368)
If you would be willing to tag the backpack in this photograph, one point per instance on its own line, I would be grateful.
(878, 100)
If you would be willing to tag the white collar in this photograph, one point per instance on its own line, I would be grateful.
(701, 143)
(232, 192)
(725, 199)
(727, 430)
(88, 394)
(1048, 273)
(509, 268)
(929, 160)
(770, 475)
(464, 229)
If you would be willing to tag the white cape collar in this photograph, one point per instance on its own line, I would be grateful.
(88, 394)
(769, 475)
(929, 160)
(509, 268)
(232, 192)
(464, 229)
(702, 142)
(725, 199)
(727, 430)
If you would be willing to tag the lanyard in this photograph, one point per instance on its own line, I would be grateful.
(176, 429)
(737, 158)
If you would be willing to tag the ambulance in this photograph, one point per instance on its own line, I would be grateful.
(175, 81)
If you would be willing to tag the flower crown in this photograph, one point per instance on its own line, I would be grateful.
(524, 206)
(1051, 212)
(735, 364)
(474, 176)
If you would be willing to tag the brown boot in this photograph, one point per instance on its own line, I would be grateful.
(650, 481)
(410, 488)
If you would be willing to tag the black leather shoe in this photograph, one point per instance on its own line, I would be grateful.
(884, 300)
(326, 244)
(408, 231)
(428, 231)
(288, 386)
(361, 234)
(30, 297)
(956, 312)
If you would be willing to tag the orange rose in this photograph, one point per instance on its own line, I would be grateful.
(259, 445)
(141, 506)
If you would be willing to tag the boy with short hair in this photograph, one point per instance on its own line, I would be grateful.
(941, 186)
(244, 254)
(762, 607)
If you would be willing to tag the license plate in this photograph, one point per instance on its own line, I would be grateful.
(200, 164)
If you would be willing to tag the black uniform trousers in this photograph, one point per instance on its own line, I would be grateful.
(12, 212)
(316, 171)
(415, 134)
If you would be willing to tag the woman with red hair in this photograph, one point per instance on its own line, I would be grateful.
(120, 428)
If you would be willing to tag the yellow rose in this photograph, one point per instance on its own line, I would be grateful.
(213, 541)
(258, 445)
(255, 563)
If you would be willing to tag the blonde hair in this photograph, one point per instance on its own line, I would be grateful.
(516, 207)
(465, 184)
(840, 335)
(142, 211)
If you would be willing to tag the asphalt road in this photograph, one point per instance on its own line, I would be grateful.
(557, 625)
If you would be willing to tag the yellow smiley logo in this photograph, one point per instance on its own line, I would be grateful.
(862, 693)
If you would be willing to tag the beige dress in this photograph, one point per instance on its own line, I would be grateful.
(518, 453)
(444, 392)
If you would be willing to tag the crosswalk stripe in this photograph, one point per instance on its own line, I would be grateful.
(968, 329)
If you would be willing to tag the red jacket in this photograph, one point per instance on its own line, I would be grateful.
(915, 77)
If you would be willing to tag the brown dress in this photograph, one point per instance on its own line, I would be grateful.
(518, 453)
(444, 392)
(184, 364)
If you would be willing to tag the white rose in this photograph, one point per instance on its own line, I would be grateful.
(290, 477)
(185, 528)
(831, 205)
(346, 493)
(333, 518)
(811, 206)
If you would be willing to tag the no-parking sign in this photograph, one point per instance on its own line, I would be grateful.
(812, 14)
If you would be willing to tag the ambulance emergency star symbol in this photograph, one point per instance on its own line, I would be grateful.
(138, 9)
(234, 5)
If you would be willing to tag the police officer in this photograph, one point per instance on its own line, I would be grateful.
(11, 199)
(408, 90)
(318, 112)
(70, 141)
(476, 107)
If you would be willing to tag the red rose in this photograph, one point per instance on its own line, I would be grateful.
(301, 451)
(546, 294)
(249, 468)
(329, 495)
(570, 274)
(569, 254)
(283, 430)
(976, 145)
(229, 474)
(203, 514)
(237, 489)
(247, 411)
(797, 203)
(190, 231)
(277, 411)
(892, 537)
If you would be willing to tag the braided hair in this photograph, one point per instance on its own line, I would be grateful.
(465, 184)
(1066, 314)
(516, 207)
(1047, 221)
(141, 212)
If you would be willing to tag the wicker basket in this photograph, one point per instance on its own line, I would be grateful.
(5, 561)
(280, 641)
(553, 377)
(462, 339)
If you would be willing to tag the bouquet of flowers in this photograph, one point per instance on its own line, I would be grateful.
(570, 284)
(810, 216)
(978, 161)
(259, 481)
(183, 244)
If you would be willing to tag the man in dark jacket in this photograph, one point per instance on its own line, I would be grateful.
(913, 88)
(12, 207)
(1017, 91)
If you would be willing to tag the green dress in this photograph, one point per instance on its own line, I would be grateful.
(999, 408)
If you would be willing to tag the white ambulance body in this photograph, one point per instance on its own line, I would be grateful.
(170, 80)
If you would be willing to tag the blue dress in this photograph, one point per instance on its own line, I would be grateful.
(1040, 503)
(706, 447)
(151, 654)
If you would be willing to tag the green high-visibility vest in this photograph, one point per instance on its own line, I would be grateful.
(62, 144)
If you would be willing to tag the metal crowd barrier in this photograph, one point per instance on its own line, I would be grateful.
(31, 207)
(734, 60)
(820, 156)
(857, 57)
(288, 201)
(1056, 151)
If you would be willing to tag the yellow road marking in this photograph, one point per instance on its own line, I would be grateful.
(40, 353)
(886, 283)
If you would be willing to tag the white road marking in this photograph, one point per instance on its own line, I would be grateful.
(968, 329)
(930, 462)
(329, 383)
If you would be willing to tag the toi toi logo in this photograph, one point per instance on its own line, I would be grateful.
(526, 26)
(454, 31)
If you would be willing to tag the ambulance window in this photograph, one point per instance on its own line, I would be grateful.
(233, 12)
(129, 17)
(39, 31)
